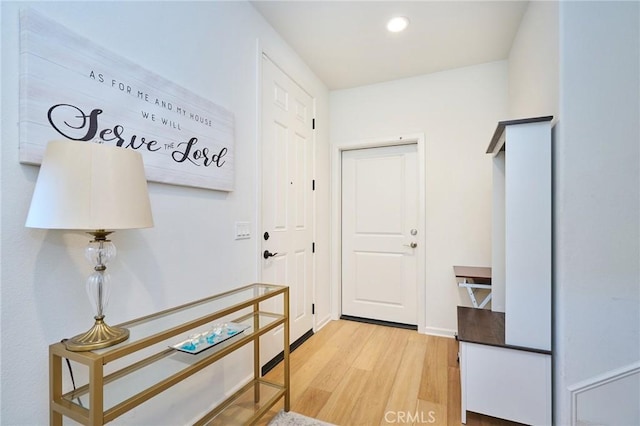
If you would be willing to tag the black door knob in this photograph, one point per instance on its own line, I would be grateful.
(267, 254)
(266, 236)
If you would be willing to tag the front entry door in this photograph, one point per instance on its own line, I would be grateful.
(287, 199)
(380, 233)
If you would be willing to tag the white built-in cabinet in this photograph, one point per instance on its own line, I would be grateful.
(505, 353)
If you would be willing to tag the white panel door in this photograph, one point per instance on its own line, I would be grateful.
(287, 199)
(380, 233)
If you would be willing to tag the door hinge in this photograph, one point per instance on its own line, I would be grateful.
(313, 185)
(313, 247)
(313, 309)
(313, 124)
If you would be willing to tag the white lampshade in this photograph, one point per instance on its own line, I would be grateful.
(90, 186)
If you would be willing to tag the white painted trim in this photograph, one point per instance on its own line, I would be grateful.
(336, 216)
(321, 323)
(440, 332)
(595, 382)
(314, 217)
(258, 146)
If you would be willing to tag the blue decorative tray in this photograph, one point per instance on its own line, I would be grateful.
(206, 339)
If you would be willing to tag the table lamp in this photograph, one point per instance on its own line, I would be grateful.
(99, 189)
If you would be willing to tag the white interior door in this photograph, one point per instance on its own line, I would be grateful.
(287, 199)
(380, 233)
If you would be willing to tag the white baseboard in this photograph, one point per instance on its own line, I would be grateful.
(441, 332)
(322, 322)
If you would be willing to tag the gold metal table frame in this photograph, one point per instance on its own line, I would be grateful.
(107, 397)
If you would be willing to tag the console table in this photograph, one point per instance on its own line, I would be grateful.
(107, 396)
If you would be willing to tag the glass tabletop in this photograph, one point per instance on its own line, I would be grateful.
(118, 388)
(152, 325)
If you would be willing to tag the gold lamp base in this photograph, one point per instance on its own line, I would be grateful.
(99, 336)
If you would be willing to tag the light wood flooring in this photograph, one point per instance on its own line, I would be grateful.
(356, 374)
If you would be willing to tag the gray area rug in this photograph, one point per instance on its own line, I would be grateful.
(294, 419)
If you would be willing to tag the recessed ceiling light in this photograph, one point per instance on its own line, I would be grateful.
(397, 24)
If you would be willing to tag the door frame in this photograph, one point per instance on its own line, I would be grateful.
(265, 51)
(336, 216)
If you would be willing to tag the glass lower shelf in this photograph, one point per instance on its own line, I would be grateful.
(125, 386)
(249, 403)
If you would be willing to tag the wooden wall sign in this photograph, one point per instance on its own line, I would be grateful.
(71, 88)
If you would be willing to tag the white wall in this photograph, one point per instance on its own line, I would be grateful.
(597, 208)
(533, 63)
(457, 112)
(533, 89)
(210, 49)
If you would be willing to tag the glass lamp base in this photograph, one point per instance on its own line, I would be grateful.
(99, 336)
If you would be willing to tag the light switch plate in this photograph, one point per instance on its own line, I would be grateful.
(243, 230)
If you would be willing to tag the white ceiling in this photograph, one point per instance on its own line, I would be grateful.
(347, 45)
